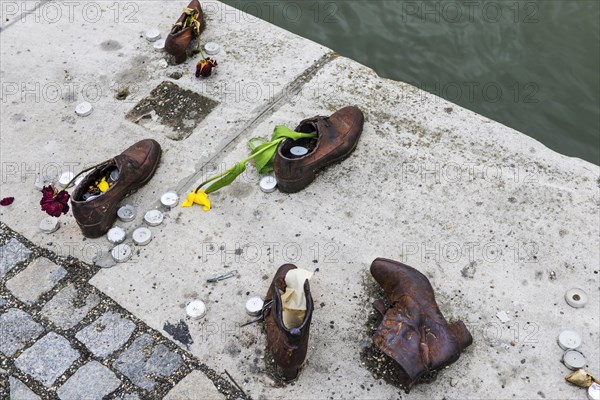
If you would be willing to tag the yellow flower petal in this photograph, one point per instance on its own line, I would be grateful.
(199, 197)
(190, 200)
(103, 185)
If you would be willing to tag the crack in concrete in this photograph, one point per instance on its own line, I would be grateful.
(262, 113)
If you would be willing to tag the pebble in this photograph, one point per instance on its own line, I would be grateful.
(153, 217)
(502, 316)
(49, 225)
(83, 109)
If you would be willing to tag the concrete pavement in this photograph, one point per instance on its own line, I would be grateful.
(497, 221)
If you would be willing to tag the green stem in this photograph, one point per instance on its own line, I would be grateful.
(244, 161)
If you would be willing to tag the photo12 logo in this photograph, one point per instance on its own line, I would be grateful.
(52, 12)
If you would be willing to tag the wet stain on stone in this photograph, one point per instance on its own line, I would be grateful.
(179, 332)
(179, 109)
(469, 270)
(110, 45)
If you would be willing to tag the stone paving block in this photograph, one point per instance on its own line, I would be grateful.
(20, 391)
(130, 396)
(64, 310)
(47, 359)
(17, 328)
(35, 280)
(90, 382)
(195, 384)
(140, 361)
(11, 254)
(107, 334)
(2, 301)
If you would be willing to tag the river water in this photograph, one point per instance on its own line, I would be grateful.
(531, 65)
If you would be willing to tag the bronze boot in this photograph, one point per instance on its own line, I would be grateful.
(180, 38)
(288, 346)
(413, 331)
(337, 137)
(135, 167)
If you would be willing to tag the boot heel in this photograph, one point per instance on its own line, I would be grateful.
(288, 374)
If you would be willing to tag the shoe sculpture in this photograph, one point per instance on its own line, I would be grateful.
(337, 137)
(130, 170)
(288, 319)
(189, 26)
(413, 331)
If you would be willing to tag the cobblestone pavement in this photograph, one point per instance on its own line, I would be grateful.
(60, 337)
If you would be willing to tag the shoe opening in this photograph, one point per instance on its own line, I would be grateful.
(294, 299)
(98, 182)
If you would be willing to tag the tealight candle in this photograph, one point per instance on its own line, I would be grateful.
(126, 213)
(142, 236)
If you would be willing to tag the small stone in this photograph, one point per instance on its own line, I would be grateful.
(20, 391)
(17, 329)
(2, 301)
(35, 280)
(90, 382)
(11, 254)
(47, 359)
(453, 382)
(49, 225)
(107, 334)
(503, 317)
(63, 312)
(189, 387)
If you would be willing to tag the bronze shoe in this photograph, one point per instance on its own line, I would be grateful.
(288, 346)
(338, 136)
(413, 331)
(135, 166)
(180, 38)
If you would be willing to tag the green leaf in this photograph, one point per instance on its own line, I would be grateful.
(227, 179)
(267, 152)
(255, 142)
(281, 131)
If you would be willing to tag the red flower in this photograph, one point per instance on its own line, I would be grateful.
(205, 66)
(7, 201)
(53, 202)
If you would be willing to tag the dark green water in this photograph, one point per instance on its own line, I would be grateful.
(531, 65)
